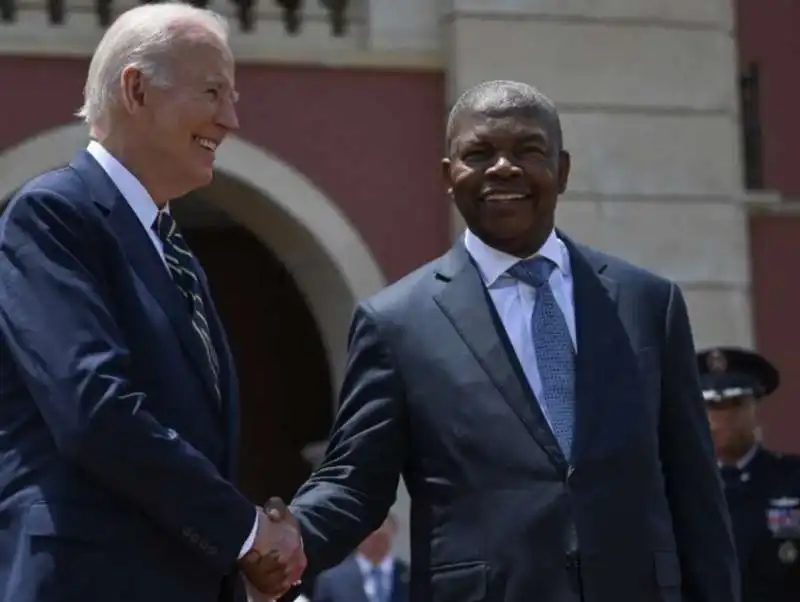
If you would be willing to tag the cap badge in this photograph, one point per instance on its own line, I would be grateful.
(716, 361)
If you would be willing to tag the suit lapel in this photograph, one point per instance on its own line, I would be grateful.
(353, 581)
(465, 301)
(145, 261)
(606, 369)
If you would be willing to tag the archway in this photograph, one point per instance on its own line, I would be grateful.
(322, 250)
(305, 231)
(284, 381)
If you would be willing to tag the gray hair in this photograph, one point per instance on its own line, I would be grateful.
(499, 98)
(142, 38)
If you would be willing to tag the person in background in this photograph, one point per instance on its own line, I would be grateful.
(372, 574)
(762, 487)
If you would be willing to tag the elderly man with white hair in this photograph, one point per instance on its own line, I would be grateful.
(118, 399)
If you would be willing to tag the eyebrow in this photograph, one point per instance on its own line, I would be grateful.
(481, 138)
(216, 80)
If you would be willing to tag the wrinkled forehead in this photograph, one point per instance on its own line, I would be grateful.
(203, 57)
(483, 126)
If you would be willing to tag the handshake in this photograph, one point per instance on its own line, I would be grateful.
(276, 560)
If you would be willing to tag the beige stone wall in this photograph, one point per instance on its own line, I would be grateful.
(647, 91)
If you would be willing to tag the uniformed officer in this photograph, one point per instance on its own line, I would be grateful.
(762, 487)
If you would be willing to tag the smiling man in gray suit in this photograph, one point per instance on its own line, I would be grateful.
(540, 399)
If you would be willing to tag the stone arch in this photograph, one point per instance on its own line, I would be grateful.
(332, 265)
(324, 252)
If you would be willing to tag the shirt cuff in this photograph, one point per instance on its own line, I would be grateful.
(248, 543)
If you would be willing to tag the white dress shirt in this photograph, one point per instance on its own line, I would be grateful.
(386, 568)
(137, 196)
(515, 300)
(146, 211)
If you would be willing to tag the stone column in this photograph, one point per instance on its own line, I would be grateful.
(648, 96)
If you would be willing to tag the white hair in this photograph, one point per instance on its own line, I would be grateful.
(142, 38)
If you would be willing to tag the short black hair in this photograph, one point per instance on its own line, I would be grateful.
(499, 98)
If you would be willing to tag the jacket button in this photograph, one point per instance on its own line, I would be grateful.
(571, 561)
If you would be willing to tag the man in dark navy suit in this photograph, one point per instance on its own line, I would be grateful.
(372, 574)
(540, 399)
(762, 486)
(118, 400)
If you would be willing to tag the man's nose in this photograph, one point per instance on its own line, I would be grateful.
(227, 117)
(504, 168)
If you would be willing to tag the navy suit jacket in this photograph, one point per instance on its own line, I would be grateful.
(116, 455)
(345, 583)
(433, 391)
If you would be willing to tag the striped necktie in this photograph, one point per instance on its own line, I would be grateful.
(555, 354)
(179, 260)
(381, 595)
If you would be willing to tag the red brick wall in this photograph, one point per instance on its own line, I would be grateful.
(775, 242)
(370, 140)
(769, 35)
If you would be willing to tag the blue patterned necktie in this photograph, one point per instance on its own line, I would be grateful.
(179, 260)
(555, 354)
(380, 586)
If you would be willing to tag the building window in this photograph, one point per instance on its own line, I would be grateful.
(749, 93)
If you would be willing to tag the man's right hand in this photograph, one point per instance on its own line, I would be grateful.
(276, 561)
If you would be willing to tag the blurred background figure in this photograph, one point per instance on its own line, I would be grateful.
(372, 574)
(762, 487)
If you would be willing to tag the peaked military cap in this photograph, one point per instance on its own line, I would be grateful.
(731, 372)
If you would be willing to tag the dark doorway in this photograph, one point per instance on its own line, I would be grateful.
(285, 387)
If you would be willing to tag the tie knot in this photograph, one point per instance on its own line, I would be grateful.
(164, 225)
(534, 271)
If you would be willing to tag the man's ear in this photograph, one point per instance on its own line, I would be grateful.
(446, 175)
(133, 89)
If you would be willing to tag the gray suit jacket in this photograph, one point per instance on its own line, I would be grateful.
(433, 391)
(345, 583)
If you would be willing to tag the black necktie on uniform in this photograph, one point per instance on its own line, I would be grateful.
(731, 477)
(179, 260)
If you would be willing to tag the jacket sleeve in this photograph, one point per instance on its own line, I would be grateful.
(700, 514)
(351, 493)
(61, 331)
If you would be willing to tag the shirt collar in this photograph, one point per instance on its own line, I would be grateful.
(493, 263)
(134, 192)
(745, 460)
(386, 565)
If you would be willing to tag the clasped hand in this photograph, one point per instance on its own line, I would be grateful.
(277, 560)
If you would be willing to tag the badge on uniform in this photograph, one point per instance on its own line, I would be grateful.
(783, 520)
(787, 552)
